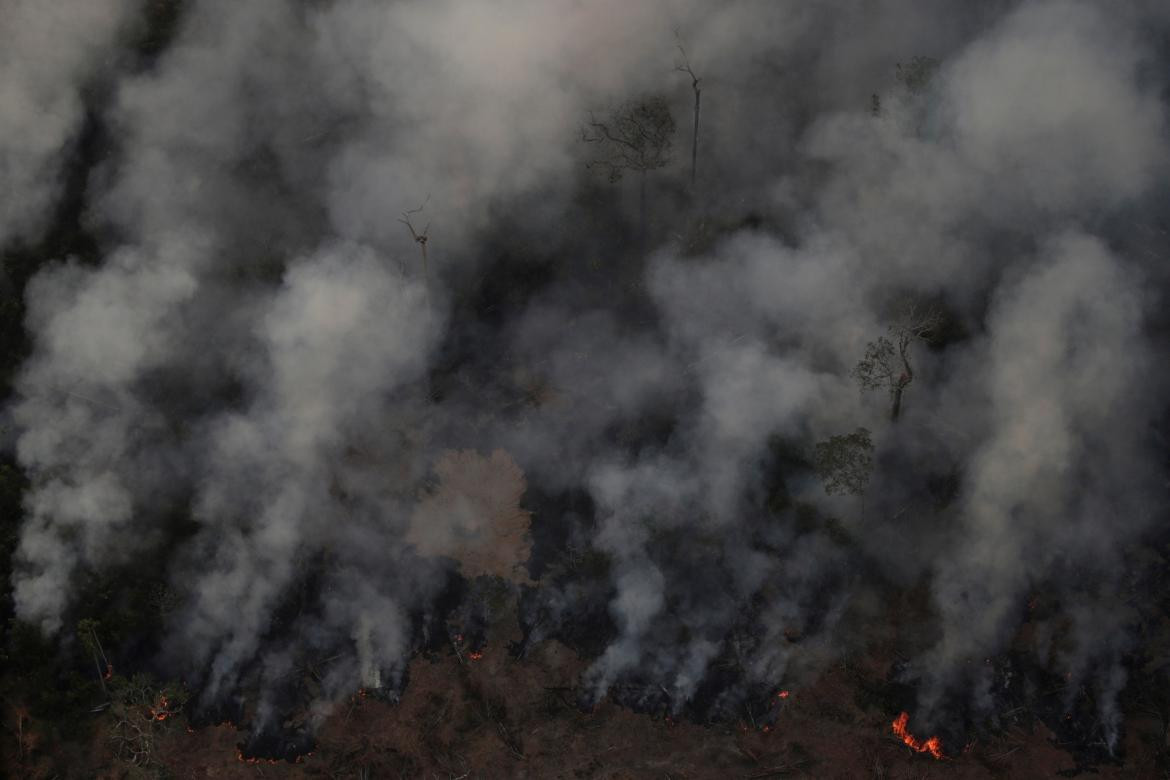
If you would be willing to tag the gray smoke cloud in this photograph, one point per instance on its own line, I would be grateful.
(1060, 478)
(260, 351)
(49, 57)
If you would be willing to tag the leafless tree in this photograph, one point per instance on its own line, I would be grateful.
(886, 364)
(421, 240)
(637, 137)
(685, 67)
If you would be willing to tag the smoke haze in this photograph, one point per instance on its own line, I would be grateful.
(258, 383)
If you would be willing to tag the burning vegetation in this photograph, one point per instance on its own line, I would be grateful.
(161, 711)
(704, 361)
(931, 745)
(141, 717)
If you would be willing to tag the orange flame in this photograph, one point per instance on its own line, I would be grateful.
(240, 756)
(475, 656)
(161, 712)
(252, 761)
(932, 745)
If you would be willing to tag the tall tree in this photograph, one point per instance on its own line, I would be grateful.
(887, 362)
(685, 67)
(421, 240)
(637, 136)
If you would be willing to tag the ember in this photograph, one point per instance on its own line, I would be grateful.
(932, 745)
(162, 710)
(253, 760)
(783, 694)
(271, 761)
(275, 748)
(475, 656)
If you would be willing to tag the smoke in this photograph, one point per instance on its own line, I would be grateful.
(1056, 488)
(341, 335)
(261, 352)
(49, 58)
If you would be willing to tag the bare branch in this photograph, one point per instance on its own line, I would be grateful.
(636, 137)
(420, 208)
(685, 67)
(419, 237)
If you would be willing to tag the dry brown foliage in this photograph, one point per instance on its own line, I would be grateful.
(473, 514)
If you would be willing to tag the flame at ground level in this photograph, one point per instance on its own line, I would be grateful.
(162, 711)
(932, 745)
(254, 760)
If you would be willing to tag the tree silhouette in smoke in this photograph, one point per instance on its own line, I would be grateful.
(886, 364)
(636, 137)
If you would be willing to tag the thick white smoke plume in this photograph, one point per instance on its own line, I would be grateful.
(259, 376)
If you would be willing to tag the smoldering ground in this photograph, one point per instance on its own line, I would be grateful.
(255, 376)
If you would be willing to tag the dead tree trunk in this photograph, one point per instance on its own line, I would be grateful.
(686, 68)
(422, 245)
(897, 407)
(642, 211)
(907, 376)
(95, 649)
(421, 240)
(695, 138)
